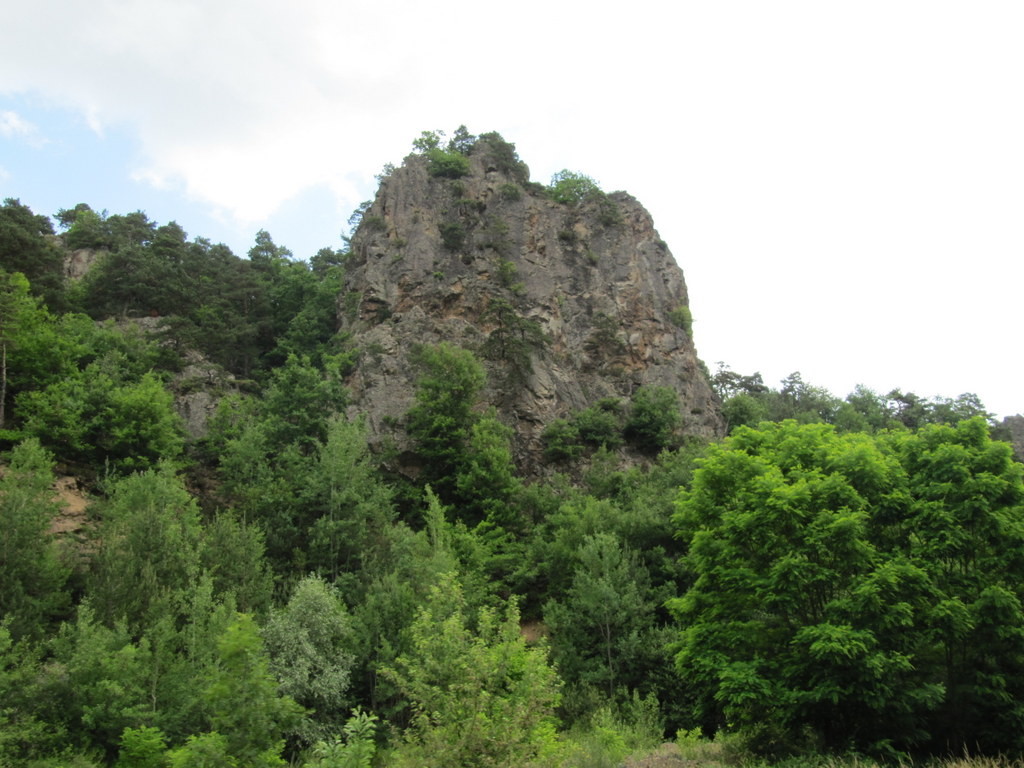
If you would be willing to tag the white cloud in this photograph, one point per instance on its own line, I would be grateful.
(14, 126)
(827, 175)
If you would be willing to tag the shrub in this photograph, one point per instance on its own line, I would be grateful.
(682, 318)
(653, 419)
(561, 441)
(510, 192)
(572, 188)
(600, 425)
(446, 165)
(453, 235)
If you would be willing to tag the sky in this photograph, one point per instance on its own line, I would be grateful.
(842, 183)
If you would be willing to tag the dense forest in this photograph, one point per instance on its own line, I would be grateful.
(834, 576)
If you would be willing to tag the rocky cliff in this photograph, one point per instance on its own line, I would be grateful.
(565, 302)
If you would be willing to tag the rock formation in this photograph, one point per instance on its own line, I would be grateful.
(565, 302)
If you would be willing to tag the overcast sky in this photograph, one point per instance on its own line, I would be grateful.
(841, 182)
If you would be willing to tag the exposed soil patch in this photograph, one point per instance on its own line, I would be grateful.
(72, 518)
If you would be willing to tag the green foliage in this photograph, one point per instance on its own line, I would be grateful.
(441, 420)
(148, 555)
(513, 339)
(307, 642)
(653, 419)
(480, 695)
(453, 235)
(447, 164)
(846, 588)
(487, 482)
(101, 415)
(356, 507)
(511, 192)
(743, 410)
(561, 441)
(33, 571)
(571, 188)
(104, 681)
(142, 748)
(25, 248)
(244, 702)
(357, 749)
(682, 318)
(600, 425)
(233, 554)
(597, 627)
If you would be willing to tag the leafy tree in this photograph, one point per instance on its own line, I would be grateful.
(104, 681)
(85, 227)
(356, 751)
(26, 246)
(653, 418)
(481, 696)
(307, 642)
(441, 420)
(513, 339)
(866, 591)
(232, 552)
(32, 568)
(357, 508)
(247, 713)
(796, 622)
(101, 415)
(487, 482)
(148, 556)
(142, 748)
(965, 529)
(597, 627)
(573, 188)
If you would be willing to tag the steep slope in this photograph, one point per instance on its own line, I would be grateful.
(566, 302)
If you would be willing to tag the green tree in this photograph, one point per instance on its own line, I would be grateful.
(481, 697)
(796, 622)
(653, 419)
(32, 567)
(104, 682)
(307, 642)
(247, 713)
(486, 482)
(441, 420)
(100, 415)
(232, 552)
(597, 628)
(26, 246)
(965, 528)
(573, 188)
(148, 556)
(357, 508)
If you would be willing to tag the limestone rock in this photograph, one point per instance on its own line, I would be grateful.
(460, 260)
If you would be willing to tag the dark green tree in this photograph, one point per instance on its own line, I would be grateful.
(654, 418)
(33, 570)
(796, 624)
(27, 246)
(441, 420)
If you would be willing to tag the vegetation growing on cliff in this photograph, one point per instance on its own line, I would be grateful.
(837, 575)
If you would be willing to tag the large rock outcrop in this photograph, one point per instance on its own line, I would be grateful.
(487, 260)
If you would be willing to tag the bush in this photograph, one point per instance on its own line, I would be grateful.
(446, 165)
(653, 419)
(681, 317)
(561, 441)
(600, 425)
(573, 188)
(453, 235)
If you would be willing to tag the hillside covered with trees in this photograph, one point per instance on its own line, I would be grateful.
(833, 576)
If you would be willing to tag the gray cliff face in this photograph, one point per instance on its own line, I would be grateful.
(484, 262)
